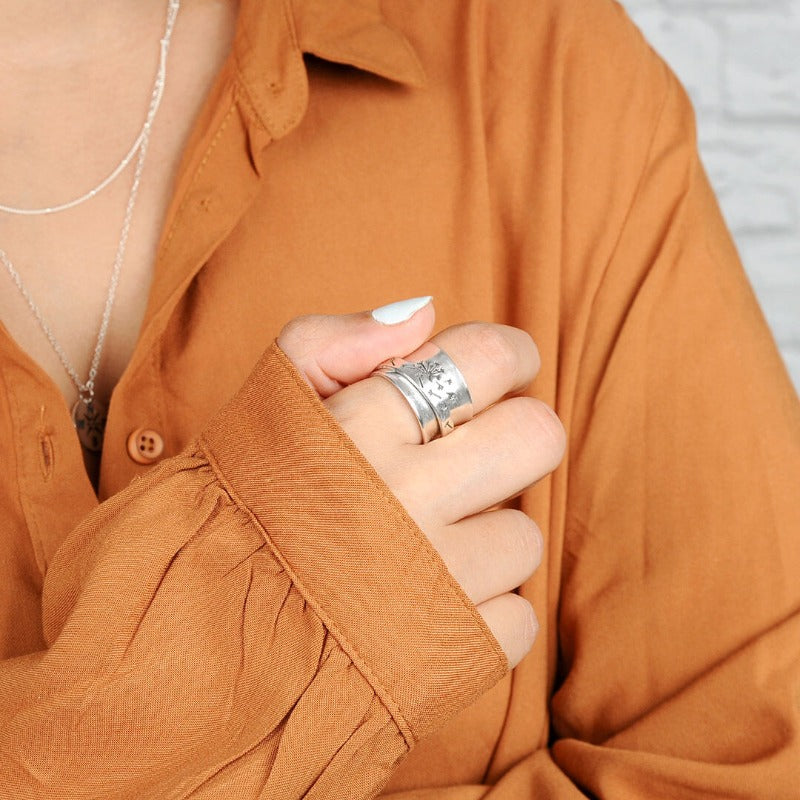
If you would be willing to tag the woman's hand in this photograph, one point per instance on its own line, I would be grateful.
(448, 484)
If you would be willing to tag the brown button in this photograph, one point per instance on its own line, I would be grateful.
(145, 445)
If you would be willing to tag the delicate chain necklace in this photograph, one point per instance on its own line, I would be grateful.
(88, 414)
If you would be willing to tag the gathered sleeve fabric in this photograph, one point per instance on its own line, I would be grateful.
(257, 617)
(679, 595)
(680, 602)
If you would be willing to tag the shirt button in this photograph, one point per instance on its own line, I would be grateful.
(145, 445)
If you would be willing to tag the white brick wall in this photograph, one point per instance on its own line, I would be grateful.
(740, 63)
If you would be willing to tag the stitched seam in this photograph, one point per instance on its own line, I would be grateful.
(200, 167)
(262, 116)
(28, 512)
(241, 92)
(299, 69)
(158, 383)
(242, 96)
(385, 697)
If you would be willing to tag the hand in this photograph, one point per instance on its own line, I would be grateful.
(448, 484)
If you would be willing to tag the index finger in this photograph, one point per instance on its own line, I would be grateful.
(495, 360)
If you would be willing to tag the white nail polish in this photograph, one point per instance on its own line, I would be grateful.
(401, 311)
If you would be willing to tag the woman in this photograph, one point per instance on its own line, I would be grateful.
(282, 594)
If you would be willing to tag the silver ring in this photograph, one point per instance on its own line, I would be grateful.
(433, 386)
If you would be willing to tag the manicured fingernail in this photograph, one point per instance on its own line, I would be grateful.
(401, 311)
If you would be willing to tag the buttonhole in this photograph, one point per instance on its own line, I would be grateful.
(46, 455)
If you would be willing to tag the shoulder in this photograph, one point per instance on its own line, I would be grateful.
(584, 62)
(587, 56)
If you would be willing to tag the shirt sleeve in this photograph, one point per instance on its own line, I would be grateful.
(257, 617)
(679, 601)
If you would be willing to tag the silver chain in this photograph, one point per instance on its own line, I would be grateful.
(86, 389)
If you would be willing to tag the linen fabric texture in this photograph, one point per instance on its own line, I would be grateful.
(257, 616)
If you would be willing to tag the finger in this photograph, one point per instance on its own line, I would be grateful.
(334, 351)
(495, 360)
(491, 553)
(489, 459)
(513, 623)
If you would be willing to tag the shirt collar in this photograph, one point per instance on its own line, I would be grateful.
(273, 35)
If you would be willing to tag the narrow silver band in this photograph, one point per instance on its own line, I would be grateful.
(433, 387)
(428, 424)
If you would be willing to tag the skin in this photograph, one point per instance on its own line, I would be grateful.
(62, 68)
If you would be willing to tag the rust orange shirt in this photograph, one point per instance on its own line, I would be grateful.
(255, 615)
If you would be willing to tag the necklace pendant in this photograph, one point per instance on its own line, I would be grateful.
(90, 423)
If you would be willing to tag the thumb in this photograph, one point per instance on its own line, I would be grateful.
(334, 351)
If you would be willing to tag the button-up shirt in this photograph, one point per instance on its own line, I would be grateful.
(245, 610)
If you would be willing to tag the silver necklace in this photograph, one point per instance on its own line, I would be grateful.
(88, 414)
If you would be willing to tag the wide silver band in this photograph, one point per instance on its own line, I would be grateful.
(434, 388)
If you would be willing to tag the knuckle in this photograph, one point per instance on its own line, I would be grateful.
(493, 345)
(544, 425)
(533, 351)
(297, 335)
(527, 622)
(527, 542)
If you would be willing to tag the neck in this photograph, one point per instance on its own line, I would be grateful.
(41, 33)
